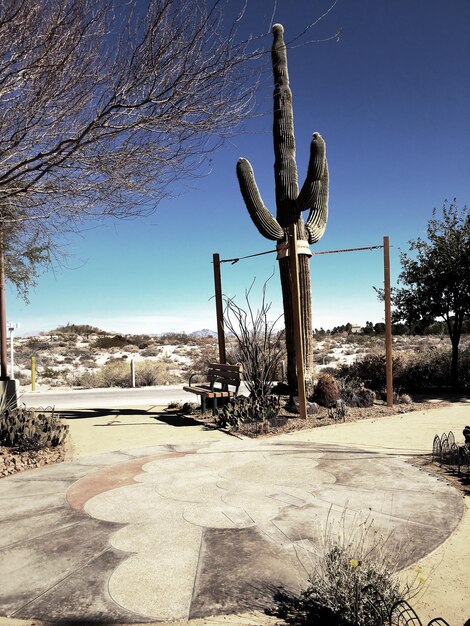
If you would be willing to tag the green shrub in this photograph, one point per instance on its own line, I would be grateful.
(243, 410)
(326, 391)
(27, 429)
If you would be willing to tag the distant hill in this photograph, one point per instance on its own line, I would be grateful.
(205, 332)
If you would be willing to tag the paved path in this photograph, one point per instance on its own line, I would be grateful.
(110, 398)
(107, 398)
(209, 526)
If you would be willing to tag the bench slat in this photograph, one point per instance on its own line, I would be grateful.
(221, 373)
(216, 393)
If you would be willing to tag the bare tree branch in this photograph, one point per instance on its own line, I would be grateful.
(258, 341)
(105, 104)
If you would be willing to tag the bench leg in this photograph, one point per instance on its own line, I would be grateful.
(203, 404)
(214, 406)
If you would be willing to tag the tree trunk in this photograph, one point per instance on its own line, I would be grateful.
(306, 310)
(3, 315)
(454, 366)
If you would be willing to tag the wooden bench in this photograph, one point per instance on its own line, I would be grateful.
(220, 374)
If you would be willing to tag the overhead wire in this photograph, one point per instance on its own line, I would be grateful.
(249, 256)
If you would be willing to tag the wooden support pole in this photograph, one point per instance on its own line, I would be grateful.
(388, 324)
(297, 314)
(219, 309)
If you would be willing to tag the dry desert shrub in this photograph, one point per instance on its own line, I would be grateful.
(351, 556)
(148, 372)
(425, 367)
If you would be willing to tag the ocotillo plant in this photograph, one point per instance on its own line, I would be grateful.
(290, 203)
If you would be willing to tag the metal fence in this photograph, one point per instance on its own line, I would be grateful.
(455, 457)
(399, 614)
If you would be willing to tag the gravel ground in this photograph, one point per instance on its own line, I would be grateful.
(12, 461)
(289, 422)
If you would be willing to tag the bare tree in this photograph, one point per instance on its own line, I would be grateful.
(104, 104)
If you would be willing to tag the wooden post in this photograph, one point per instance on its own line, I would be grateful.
(219, 309)
(132, 372)
(297, 315)
(33, 373)
(388, 324)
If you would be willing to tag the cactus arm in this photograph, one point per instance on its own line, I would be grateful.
(316, 166)
(318, 216)
(267, 225)
(285, 168)
(314, 192)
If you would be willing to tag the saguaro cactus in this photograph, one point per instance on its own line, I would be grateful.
(290, 203)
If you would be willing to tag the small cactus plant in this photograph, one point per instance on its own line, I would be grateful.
(27, 429)
(327, 391)
(243, 410)
(291, 203)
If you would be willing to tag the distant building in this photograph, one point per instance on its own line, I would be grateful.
(356, 329)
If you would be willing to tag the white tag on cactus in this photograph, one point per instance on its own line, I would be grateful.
(302, 248)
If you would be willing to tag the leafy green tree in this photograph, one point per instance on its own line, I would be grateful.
(436, 278)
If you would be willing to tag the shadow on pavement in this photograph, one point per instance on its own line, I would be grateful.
(176, 418)
(79, 414)
(172, 417)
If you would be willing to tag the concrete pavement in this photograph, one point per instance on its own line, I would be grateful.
(106, 398)
(206, 527)
(109, 398)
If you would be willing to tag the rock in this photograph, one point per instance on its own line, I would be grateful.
(312, 408)
(293, 406)
(12, 461)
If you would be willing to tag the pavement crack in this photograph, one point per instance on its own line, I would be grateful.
(198, 567)
(59, 582)
(44, 534)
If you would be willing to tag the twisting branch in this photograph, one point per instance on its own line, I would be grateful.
(258, 342)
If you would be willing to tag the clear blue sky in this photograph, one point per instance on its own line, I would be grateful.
(391, 99)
